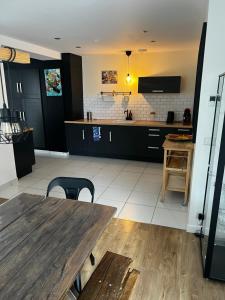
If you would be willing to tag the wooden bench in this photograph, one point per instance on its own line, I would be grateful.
(111, 280)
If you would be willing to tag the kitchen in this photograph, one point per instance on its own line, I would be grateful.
(122, 115)
(135, 142)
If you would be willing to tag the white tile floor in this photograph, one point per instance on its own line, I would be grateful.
(131, 186)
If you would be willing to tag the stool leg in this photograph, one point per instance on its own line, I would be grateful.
(165, 177)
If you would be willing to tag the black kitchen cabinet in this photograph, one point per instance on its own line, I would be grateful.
(129, 142)
(122, 141)
(26, 91)
(24, 154)
(23, 90)
(77, 139)
(72, 83)
(115, 141)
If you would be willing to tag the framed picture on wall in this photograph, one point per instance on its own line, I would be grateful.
(109, 77)
(53, 82)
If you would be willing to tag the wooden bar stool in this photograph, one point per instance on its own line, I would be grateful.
(177, 167)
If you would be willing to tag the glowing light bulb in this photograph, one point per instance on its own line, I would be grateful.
(128, 79)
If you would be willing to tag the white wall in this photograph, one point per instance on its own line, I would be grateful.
(7, 163)
(214, 64)
(181, 62)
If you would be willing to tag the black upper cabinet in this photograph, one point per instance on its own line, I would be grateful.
(13, 80)
(159, 84)
(72, 86)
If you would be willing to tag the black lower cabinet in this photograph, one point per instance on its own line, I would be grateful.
(24, 154)
(129, 142)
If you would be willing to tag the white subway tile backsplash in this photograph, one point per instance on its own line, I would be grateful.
(141, 106)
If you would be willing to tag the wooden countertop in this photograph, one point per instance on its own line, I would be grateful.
(129, 123)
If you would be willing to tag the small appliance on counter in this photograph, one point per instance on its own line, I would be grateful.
(170, 117)
(187, 116)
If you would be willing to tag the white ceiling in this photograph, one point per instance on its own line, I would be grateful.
(105, 26)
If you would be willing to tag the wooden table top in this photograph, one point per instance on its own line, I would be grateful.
(45, 242)
(179, 146)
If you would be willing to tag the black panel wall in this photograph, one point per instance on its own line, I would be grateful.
(72, 86)
(198, 81)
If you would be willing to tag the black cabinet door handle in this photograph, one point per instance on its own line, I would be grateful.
(110, 136)
(150, 134)
(83, 136)
(21, 89)
(151, 147)
(17, 88)
(154, 129)
(183, 130)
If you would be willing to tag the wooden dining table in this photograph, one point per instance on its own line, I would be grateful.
(44, 243)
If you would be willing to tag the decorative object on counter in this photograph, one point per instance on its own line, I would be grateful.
(89, 115)
(187, 116)
(9, 54)
(129, 115)
(53, 82)
(170, 117)
(109, 77)
(179, 137)
(128, 78)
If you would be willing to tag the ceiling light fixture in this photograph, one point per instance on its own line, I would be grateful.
(57, 38)
(128, 54)
(145, 31)
(153, 41)
(78, 47)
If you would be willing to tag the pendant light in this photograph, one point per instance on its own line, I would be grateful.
(13, 55)
(12, 122)
(128, 54)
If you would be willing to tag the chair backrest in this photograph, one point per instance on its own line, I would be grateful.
(72, 186)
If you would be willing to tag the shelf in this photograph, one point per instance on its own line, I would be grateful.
(177, 163)
(176, 183)
(114, 93)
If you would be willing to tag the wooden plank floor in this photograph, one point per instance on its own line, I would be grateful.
(168, 259)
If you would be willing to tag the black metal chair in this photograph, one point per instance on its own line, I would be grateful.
(72, 187)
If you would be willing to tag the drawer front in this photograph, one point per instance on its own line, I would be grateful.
(184, 130)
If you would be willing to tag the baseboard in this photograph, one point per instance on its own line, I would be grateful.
(51, 153)
(193, 228)
(7, 184)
